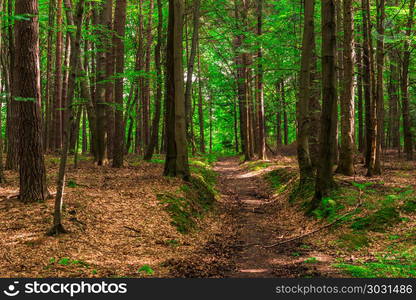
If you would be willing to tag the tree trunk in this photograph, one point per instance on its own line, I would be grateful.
(314, 107)
(2, 72)
(57, 227)
(49, 82)
(379, 85)
(104, 21)
(346, 159)
(278, 115)
(191, 62)
(201, 110)
(120, 28)
(394, 115)
(110, 81)
(146, 81)
(158, 100)
(57, 113)
(324, 178)
(27, 91)
(304, 161)
(261, 153)
(84, 131)
(359, 62)
(371, 122)
(12, 159)
(407, 132)
(285, 120)
(176, 163)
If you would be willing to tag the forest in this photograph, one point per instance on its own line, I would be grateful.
(207, 138)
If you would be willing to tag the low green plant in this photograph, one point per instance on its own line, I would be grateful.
(146, 269)
(311, 260)
(71, 184)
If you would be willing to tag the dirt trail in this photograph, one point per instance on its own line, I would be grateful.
(258, 223)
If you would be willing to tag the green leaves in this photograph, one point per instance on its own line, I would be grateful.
(147, 270)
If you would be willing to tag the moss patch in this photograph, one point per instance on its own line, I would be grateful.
(279, 179)
(378, 221)
(353, 241)
(192, 201)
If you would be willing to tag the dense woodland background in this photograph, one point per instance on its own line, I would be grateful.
(107, 80)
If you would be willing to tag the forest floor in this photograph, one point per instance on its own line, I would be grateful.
(132, 222)
(262, 217)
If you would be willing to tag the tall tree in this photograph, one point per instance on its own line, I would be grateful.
(57, 106)
(158, 100)
(57, 227)
(191, 61)
(370, 91)
(146, 81)
(380, 84)
(176, 163)
(12, 159)
(261, 146)
(407, 132)
(104, 11)
(201, 111)
(120, 28)
(304, 160)
(346, 159)
(324, 178)
(28, 98)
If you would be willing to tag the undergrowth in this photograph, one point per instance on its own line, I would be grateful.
(367, 213)
(193, 199)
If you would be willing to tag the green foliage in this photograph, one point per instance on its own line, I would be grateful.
(311, 260)
(377, 221)
(328, 208)
(66, 261)
(409, 206)
(71, 184)
(396, 264)
(146, 269)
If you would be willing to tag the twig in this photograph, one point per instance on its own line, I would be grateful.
(321, 228)
(132, 229)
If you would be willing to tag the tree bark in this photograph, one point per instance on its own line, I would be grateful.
(360, 109)
(201, 110)
(346, 159)
(104, 21)
(407, 132)
(57, 226)
(304, 161)
(158, 100)
(324, 178)
(370, 91)
(176, 163)
(12, 159)
(261, 149)
(120, 28)
(191, 62)
(28, 96)
(57, 106)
